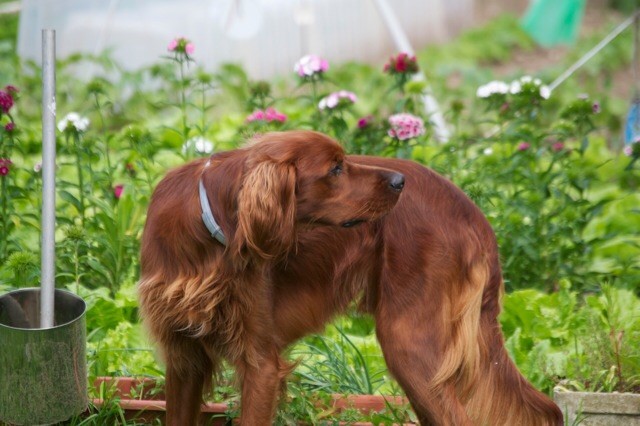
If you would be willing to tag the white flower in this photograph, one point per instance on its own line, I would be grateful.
(492, 88)
(545, 92)
(199, 145)
(515, 87)
(309, 65)
(487, 151)
(75, 120)
(331, 101)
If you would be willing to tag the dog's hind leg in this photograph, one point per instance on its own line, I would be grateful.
(261, 385)
(188, 368)
(413, 356)
(427, 326)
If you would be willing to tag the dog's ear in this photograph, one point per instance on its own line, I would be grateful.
(267, 210)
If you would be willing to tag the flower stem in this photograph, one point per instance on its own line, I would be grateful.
(106, 142)
(5, 233)
(183, 102)
(80, 178)
(203, 108)
(76, 257)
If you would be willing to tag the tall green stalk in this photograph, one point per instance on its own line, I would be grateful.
(80, 178)
(103, 126)
(4, 196)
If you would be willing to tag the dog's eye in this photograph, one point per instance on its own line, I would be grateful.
(336, 169)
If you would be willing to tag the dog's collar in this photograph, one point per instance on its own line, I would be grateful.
(207, 214)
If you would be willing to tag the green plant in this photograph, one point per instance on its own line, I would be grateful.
(533, 176)
(24, 266)
(626, 6)
(588, 343)
(337, 365)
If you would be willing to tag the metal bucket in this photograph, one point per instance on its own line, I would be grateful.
(43, 371)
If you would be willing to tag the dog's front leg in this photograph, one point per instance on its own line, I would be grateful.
(261, 383)
(184, 396)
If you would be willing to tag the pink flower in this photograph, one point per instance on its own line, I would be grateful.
(557, 147)
(405, 126)
(5, 165)
(268, 115)
(633, 149)
(10, 127)
(524, 146)
(11, 89)
(117, 191)
(6, 101)
(310, 65)
(337, 99)
(271, 114)
(181, 45)
(365, 121)
(256, 115)
(595, 107)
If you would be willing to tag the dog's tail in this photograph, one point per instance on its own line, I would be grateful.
(486, 380)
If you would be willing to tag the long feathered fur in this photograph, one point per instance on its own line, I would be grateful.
(423, 261)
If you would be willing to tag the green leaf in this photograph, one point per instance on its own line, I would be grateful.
(71, 199)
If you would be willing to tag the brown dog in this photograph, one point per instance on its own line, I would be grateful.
(423, 260)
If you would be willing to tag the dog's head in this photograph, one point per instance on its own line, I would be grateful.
(304, 177)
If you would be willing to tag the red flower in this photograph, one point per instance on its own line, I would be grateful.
(365, 121)
(6, 101)
(5, 164)
(402, 64)
(10, 127)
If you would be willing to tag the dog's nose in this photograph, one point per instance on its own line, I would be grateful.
(396, 181)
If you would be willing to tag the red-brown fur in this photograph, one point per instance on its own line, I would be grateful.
(424, 263)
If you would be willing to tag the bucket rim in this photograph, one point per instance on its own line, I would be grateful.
(38, 289)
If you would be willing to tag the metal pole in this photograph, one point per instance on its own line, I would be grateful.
(402, 44)
(47, 289)
(594, 51)
(636, 54)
